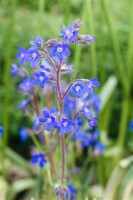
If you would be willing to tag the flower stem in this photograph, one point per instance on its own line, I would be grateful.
(51, 155)
(34, 98)
(62, 143)
(63, 148)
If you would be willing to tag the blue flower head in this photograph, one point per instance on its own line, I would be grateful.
(27, 85)
(39, 159)
(60, 50)
(92, 122)
(41, 78)
(1, 131)
(84, 138)
(95, 102)
(48, 120)
(69, 34)
(23, 104)
(45, 68)
(21, 55)
(66, 126)
(14, 70)
(69, 106)
(23, 134)
(86, 110)
(91, 84)
(78, 90)
(32, 56)
(131, 125)
(99, 148)
(38, 42)
(71, 195)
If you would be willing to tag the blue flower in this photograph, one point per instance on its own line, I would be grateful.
(69, 106)
(32, 56)
(89, 38)
(69, 34)
(23, 134)
(38, 42)
(99, 148)
(27, 84)
(23, 104)
(36, 124)
(78, 90)
(48, 120)
(66, 126)
(21, 55)
(90, 84)
(46, 69)
(71, 195)
(131, 125)
(92, 122)
(41, 78)
(84, 39)
(60, 50)
(86, 110)
(95, 102)
(15, 70)
(52, 109)
(84, 138)
(1, 131)
(39, 159)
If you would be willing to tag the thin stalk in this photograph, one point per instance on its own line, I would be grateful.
(52, 155)
(90, 19)
(67, 11)
(123, 123)
(7, 72)
(130, 48)
(35, 102)
(41, 14)
(62, 142)
(37, 144)
(115, 44)
(63, 150)
(101, 52)
(78, 51)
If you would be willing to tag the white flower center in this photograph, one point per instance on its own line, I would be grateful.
(27, 83)
(65, 124)
(49, 120)
(86, 110)
(22, 55)
(59, 49)
(41, 78)
(69, 34)
(34, 55)
(77, 88)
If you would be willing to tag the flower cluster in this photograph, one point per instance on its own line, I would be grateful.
(76, 102)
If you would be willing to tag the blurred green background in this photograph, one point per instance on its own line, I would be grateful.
(110, 58)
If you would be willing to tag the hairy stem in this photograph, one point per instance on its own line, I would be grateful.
(51, 155)
(62, 143)
(34, 98)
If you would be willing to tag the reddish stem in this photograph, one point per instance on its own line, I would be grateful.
(62, 143)
(35, 102)
(51, 155)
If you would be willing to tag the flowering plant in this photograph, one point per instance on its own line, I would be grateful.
(74, 105)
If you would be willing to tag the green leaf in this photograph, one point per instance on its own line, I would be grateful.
(107, 91)
(20, 186)
(18, 160)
